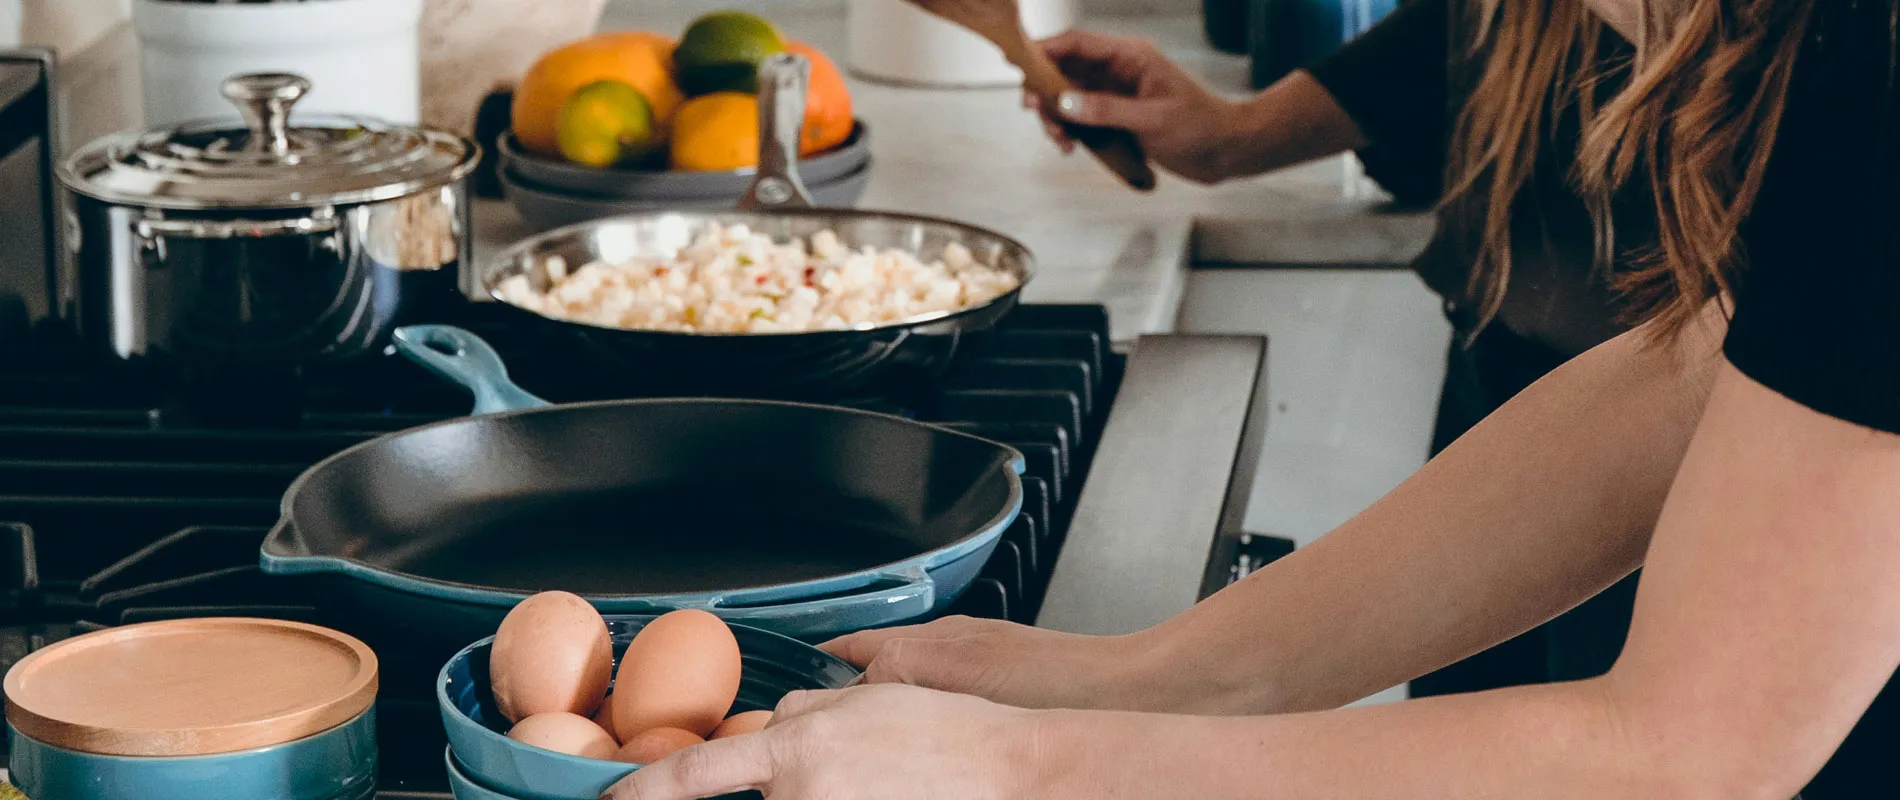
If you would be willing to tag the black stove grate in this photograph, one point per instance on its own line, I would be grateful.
(120, 504)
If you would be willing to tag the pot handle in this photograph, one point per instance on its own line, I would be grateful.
(912, 593)
(783, 78)
(462, 357)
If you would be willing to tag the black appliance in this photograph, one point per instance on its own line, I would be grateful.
(28, 203)
(126, 498)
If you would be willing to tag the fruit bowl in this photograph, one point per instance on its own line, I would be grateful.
(658, 186)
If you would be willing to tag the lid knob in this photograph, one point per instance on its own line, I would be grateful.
(265, 99)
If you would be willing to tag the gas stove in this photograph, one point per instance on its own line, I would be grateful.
(126, 498)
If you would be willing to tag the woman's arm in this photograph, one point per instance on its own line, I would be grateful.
(1292, 122)
(1128, 83)
(1385, 89)
(1540, 506)
(1767, 620)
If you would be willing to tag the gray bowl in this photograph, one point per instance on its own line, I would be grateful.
(576, 180)
(545, 208)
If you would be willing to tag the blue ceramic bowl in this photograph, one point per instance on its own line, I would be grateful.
(774, 666)
(337, 764)
(463, 787)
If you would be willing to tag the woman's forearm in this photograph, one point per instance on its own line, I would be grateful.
(1545, 503)
(1293, 121)
(1554, 742)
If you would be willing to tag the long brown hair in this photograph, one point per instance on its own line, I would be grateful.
(1696, 119)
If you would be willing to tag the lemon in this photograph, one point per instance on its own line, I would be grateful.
(607, 123)
(720, 52)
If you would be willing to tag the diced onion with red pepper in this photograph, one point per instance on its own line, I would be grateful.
(733, 280)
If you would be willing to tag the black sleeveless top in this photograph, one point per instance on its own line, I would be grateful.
(1817, 305)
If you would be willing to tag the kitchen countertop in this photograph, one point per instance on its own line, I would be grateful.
(978, 157)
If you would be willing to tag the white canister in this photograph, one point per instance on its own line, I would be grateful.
(892, 40)
(361, 56)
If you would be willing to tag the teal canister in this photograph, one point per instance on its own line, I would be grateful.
(247, 709)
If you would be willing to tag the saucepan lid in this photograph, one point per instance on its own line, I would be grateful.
(268, 163)
(191, 687)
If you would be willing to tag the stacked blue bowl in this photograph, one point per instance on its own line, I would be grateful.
(484, 764)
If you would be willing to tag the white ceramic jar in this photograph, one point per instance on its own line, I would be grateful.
(361, 55)
(894, 41)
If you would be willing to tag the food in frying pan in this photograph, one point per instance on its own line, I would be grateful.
(552, 653)
(731, 279)
(567, 733)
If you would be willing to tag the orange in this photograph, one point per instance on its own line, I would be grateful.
(718, 131)
(640, 59)
(827, 103)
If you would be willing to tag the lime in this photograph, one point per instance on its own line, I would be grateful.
(605, 124)
(720, 52)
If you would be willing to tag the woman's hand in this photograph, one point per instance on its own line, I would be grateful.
(866, 743)
(1008, 663)
(1127, 83)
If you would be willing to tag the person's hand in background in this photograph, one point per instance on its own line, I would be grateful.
(1126, 83)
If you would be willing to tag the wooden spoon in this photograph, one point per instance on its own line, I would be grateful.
(1001, 22)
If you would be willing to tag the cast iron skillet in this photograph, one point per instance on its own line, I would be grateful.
(810, 521)
(806, 365)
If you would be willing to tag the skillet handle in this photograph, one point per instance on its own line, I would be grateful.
(914, 595)
(462, 357)
(782, 84)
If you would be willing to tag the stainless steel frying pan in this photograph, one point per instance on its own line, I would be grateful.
(814, 364)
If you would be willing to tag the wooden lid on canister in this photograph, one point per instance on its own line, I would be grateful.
(191, 687)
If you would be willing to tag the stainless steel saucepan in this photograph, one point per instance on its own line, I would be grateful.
(806, 364)
(272, 244)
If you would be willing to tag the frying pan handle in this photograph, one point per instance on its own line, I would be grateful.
(782, 85)
(913, 594)
(464, 358)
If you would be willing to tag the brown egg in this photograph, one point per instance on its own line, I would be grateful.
(654, 744)
(552, 653)
(605, 717)
(742, 722)
(567, 733)
(681, 671)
